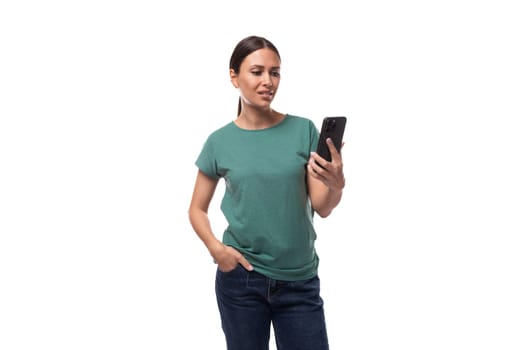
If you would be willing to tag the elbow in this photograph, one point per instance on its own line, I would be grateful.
(195, 214)
(191, 213)
(322, 209)
(323, 213)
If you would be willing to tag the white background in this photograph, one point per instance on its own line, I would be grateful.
(104, 106)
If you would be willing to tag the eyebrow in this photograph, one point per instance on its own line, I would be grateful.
(261, 66)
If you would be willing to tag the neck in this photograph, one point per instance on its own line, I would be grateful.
(258, 119)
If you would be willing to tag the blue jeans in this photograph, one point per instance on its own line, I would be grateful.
(250, 302)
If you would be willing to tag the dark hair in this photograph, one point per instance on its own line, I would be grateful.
(245, 47)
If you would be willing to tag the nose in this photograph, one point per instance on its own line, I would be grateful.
(267, 79)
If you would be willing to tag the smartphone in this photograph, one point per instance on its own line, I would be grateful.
(333, 128)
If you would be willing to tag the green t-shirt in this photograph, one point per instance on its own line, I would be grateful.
(266, 203)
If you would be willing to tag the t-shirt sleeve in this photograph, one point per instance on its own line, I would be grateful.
(206, 161)
(314, 137)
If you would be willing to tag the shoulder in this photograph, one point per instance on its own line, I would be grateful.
(299, 120)
(302, 122)
(221, 132)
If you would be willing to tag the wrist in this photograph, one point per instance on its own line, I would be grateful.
(215, 247)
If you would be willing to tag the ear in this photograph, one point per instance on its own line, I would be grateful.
(233, 78)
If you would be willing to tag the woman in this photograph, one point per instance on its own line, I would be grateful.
(267, 263)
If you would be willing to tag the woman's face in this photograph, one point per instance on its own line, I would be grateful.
(258, 78)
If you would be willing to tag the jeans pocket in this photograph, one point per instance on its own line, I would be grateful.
(229, 272)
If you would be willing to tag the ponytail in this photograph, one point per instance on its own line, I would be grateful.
(239, 107)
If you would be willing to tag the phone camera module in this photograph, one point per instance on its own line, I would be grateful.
(331, 125)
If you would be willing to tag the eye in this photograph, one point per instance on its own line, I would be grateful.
(256, 72)
(276, 74)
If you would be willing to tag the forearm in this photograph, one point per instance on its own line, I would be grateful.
(325, 181)
(201, 225)
(226, 257)
(325, 202)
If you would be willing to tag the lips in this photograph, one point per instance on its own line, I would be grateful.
(266, 94)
